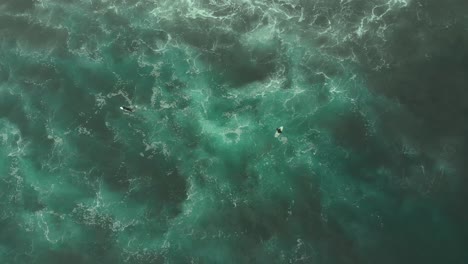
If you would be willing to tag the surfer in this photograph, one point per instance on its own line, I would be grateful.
(278, 132)
(126, 109)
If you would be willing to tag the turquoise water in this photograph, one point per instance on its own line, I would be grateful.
(370, 168)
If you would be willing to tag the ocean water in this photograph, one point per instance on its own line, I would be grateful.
(371, 166)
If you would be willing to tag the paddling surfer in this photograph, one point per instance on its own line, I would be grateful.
(127, 109)
(278, 132)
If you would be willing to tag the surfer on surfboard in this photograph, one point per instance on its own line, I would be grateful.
(126, 109)
(278, 132)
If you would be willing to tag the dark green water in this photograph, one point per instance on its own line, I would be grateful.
(371, 167)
